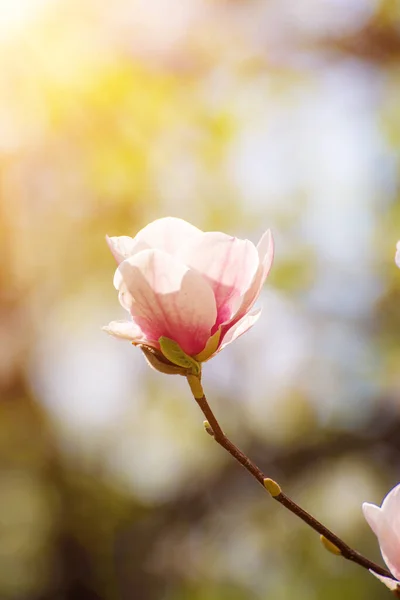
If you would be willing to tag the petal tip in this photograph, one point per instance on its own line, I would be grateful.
(369, 507)
(266, 249)
(373, 516)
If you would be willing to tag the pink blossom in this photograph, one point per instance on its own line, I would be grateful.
(397, 256)
(385, 523)
(193, 287)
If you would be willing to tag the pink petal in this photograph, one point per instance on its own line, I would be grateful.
(227, 263)
(125, 330)
(391, 503)
(374, 517)
(166, 298)
(388, 541)
(265, 250)
(397, 256)
(240, 328)
(120, 246)
(391, 509)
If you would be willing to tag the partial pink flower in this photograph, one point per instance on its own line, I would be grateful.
(193, 287)
(385, 523)
(397, 256)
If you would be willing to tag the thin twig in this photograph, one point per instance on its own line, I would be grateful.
(220, 437)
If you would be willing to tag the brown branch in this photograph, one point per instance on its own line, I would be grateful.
(214, 428)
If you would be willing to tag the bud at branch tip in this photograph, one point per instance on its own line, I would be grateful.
(272, 487)
(330, 546)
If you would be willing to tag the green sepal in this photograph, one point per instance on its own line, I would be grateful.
(174, 353)
(210, 348)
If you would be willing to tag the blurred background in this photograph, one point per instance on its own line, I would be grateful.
(236, 115)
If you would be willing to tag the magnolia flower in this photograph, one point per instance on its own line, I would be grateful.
(192, 287)
(385, 523)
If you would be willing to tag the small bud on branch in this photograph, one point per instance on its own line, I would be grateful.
(272, 487)
(329, 546)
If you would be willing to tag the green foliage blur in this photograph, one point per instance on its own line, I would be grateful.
(236, 115)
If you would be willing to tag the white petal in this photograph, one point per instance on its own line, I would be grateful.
(392, 584)
(167, 234)
(120, 246)
(125, 330)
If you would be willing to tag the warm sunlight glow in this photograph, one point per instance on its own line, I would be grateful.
(15, 14)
